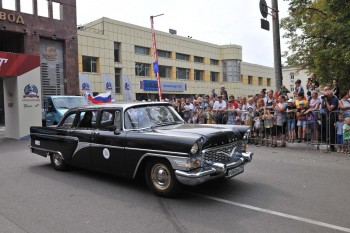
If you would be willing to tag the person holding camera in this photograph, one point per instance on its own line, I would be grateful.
(329, 105)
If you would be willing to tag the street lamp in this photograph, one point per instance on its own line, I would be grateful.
(155, 64)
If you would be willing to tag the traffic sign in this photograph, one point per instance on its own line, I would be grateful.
(263, 8)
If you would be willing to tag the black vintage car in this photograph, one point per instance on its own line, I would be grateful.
(147, 138)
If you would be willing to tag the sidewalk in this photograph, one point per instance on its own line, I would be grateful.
(2, 131)
(304, 146)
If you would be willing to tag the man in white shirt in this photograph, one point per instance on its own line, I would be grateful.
(188, 109)
(219, 108)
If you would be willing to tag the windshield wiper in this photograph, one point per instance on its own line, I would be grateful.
(166, 123)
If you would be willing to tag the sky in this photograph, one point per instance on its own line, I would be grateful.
(219, 22)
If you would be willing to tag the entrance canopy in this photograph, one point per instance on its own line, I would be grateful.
(16, 64)
(22, 93)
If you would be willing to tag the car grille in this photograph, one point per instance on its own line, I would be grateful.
(213, 154)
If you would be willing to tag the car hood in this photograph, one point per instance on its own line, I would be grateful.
(62, 111)
(213, 135)
(181, 137)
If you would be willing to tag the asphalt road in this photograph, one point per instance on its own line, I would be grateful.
(282, 190)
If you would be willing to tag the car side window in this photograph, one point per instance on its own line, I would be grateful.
(69, 120)
(107, 119)
(87, 119)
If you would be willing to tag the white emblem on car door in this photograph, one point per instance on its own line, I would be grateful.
(106, 153)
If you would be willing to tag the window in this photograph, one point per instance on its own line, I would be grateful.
(141, 69)
(164, 71)
(183, 57)
(214, 62)
(90, 64)
(163, 53)
(241, 78)
(198, 75)
(250, 80)
(182, 73)
(231, 70)
(117, 79)
(43, 8)
(107, 120)
(198, 59)
(214, 76)
(141, 50)
(9, 4)
(291, 88)
(69, 120)
(292, 76)
(27, 7)
(116, 51)
(268, 82)
(260, 81)
(56, 10)
(87, 119)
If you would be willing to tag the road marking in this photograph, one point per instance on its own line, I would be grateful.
(331, 226)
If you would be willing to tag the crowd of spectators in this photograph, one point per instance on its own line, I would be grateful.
(309, 114)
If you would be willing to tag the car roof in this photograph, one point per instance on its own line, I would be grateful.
(66, 96)
(123, 105)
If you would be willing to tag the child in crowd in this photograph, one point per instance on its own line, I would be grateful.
(302, 121)
(268, 124)
(291, 109)
(249, 116)
(210, 115)
(339, 128)
(194, 115)
(200, 114)
(346, 135)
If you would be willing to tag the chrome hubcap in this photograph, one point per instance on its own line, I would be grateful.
(57, 159)
(160, 176)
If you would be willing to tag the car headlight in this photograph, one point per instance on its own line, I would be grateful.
(194, 149)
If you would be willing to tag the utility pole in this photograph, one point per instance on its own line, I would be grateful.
(276, 44)
(155, 64)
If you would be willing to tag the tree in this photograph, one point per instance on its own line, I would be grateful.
(318, 33)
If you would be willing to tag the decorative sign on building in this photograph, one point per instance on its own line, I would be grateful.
(152, 85)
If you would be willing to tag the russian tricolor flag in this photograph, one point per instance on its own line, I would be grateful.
(101, 98)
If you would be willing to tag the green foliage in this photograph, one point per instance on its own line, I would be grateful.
(318, 33)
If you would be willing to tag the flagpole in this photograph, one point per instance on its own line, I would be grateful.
(155, 64)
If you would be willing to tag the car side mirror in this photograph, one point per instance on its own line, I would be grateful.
(117, 132)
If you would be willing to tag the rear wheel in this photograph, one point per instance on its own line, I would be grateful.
(160, 178)
(58, 162)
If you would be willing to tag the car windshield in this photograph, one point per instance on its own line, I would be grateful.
(151, 116)
(69, 102)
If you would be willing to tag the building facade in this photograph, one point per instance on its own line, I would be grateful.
(291, 75)
(48, 30)
(187, 66)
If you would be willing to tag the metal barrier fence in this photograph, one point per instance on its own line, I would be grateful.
(269, 127)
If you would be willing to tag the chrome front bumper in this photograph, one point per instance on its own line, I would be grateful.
(217, 170)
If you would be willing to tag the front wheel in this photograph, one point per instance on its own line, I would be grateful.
(58, 162)
(161, 179)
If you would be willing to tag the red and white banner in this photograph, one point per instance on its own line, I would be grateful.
(15, 64)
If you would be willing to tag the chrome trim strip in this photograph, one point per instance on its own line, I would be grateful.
(168, 157)
(157, 151)
(55, 136)
(195, 175)
(229, 145)
(106, 146)
(195, 178)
